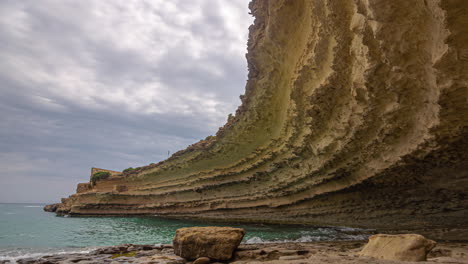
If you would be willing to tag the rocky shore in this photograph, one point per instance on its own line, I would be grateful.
(319, 252)
(213, 244)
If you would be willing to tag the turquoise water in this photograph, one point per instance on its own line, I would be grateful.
(26, 230)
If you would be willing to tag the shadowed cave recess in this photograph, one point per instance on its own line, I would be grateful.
(354, 114)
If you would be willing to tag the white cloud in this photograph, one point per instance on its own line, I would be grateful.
(139, 37)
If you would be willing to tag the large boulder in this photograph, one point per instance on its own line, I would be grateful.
(217, 243)
(406, 247)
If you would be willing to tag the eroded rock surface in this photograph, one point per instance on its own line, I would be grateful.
(216, 243)
(355, 114)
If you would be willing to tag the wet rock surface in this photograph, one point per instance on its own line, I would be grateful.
(320, 252)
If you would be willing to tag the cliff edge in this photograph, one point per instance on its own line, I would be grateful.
(355, 114)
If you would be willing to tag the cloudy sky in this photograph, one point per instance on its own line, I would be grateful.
(111, 84)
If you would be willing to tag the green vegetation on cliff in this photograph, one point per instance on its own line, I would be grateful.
(98, 176)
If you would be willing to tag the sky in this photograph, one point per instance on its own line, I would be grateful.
(111, 84)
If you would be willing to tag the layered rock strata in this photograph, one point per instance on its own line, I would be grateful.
(355, 113)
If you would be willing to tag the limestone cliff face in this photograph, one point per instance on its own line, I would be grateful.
(355, 113)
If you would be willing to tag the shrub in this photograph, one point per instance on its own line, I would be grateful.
(128, 170)
(100, 175)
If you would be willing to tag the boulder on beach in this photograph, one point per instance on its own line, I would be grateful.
(405, 247)
(217, 243)
(51, 207)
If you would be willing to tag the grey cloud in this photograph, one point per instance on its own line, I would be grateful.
(86, 83)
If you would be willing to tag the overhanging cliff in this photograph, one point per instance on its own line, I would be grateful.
(355, 113)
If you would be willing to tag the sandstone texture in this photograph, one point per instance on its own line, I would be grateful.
(218, 243)
(298, 253)
(407, 247)
(355, 114)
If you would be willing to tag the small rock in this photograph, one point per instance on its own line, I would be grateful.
(132, 248)
(216, 243)
(167, 251)
(148, 247)
(167, 260)
(51, 207)
(202, 260)
(407, 247)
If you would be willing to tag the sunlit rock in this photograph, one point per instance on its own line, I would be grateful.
(407, 247)
(216, 243)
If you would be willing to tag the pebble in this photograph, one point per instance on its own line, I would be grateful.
(202, 260)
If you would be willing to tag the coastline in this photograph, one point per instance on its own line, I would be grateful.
(268, 253)
(440, 233)
(264, 243)
(28, 231)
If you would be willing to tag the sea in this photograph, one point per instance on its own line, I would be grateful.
(27, 231)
